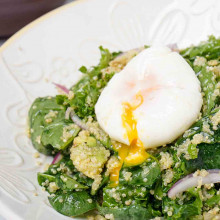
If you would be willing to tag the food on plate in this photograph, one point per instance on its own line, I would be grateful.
(138, 137)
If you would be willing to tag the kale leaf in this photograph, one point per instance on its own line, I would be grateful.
(209, 49)
(88, 89)
(191, 206)
(144, 175)
(208, 158)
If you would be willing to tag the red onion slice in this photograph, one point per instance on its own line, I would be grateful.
(63, 88)
(78, 121)
(173, 47)
(58, 157)
(67, 113)
(191, 180)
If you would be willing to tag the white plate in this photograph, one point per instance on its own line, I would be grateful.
(52, 48)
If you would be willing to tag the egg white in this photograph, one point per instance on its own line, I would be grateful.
(171, 93)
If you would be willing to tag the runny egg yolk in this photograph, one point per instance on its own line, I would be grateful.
(135, 153)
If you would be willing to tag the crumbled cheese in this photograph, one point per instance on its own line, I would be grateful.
(166, 161)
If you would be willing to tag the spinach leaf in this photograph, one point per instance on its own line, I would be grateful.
(133, 212)
(65, 182)
(72, 203)
(40, 108)
(65, 166)
(208, 158)
(54, 134)
(144, 175)
(42, 177)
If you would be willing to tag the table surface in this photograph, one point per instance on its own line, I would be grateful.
(1, 42)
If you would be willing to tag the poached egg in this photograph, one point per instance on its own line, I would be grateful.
(150, 103)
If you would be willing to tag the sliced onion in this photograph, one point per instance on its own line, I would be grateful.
(78, 121)
(63, 88)
(173, 47)
(67, 113)
(190, 181)
(58, 157)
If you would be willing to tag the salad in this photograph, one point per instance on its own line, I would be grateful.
(123, 150)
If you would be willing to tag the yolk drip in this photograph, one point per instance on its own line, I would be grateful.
(123, 151)
(135, 153)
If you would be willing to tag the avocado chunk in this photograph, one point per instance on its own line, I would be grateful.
(88, 155)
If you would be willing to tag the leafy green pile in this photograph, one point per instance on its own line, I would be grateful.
(142, 189)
